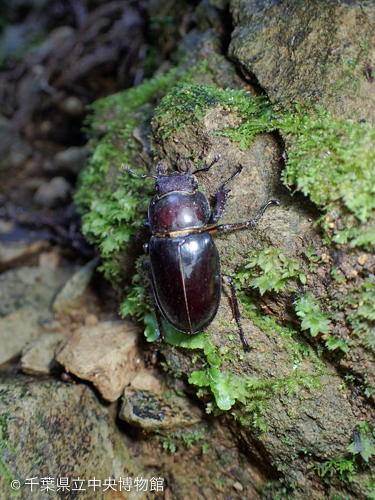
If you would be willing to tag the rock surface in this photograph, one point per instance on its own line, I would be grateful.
(53, 192)
(76, 437)
(74, 289)
(320, 52)
(38, 357)
(151, 411)
(147, 380)
(31, 287)
(26, 295)
(16, 329)
(105, 354)
(71, 160)
(55, 430)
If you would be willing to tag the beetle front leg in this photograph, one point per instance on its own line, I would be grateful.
(235, 309)
(206, 169)
(242, 225)
(221, 199)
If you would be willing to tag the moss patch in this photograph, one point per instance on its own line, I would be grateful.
(6, 445)
(361, 314)
(328, 160)
(270, 269)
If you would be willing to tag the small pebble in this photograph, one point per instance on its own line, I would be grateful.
(362, 259)
(238, 486)
(72, 107)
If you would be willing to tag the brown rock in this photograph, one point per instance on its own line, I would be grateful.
(105, 354)
(147, 381)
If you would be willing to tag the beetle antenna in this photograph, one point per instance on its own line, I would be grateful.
(128, 169)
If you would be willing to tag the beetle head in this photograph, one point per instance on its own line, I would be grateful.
(180, 182)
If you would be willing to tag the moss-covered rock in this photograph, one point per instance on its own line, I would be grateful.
(304, 274)
(319, 51)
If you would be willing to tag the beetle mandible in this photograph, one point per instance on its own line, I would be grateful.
(184, 261)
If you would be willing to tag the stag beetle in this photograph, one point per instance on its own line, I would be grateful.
(184, 261)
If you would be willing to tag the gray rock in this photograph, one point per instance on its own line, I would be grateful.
(12, 254)
(61, 430)
(152, 411)
(30, 287)
(16, 330)
(38, 357)
(53, 192)
(105, 354)
(26, 295)
(309, 51)
(71, 160)
(18, 152)
(73, 291)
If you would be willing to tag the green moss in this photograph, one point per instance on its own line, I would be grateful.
(342, 468)
(190, 102)
(312, 258)
(313, 319)
(296, 347)
(269, 270)
(330, 161)
(317, 322)
(185, 437)
(361, 315)
(255, 393)
(5, 444)
(346, 467)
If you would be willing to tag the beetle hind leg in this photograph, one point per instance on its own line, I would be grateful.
(235, 309)
(156, 304)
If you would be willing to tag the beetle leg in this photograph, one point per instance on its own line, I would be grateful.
(242, 225)
(221, 199)
(236, 309)
(156, 304)
(205, 169)
(158, 320)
